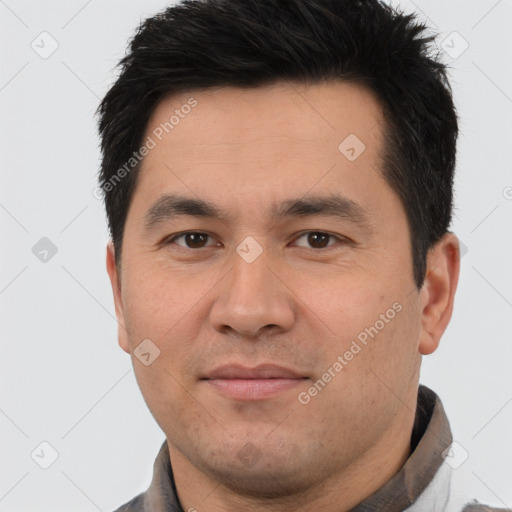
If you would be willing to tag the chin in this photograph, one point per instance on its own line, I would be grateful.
(266, 481)
(271, 471)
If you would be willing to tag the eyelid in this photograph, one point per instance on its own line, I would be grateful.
(170, 239)
(339, 238)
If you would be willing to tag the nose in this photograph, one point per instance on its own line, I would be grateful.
(253, 299)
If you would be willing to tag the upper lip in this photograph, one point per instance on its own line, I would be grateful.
(263, 371)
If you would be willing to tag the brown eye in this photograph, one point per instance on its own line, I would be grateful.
(317, 239)
(192, 239)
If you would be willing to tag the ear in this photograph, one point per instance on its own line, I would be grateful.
(115, 281)
(438, 291)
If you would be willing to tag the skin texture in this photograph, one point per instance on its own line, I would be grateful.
(300, 304)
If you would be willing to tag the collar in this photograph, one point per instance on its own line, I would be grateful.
(430, 437)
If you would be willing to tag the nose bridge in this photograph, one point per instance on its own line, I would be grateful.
(250, 278)
(252, 297)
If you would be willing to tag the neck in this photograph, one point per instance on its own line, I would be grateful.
(342, 491)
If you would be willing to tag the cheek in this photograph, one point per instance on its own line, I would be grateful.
(344, 304)
(373, 327)
(172, 403)
(157, 302)
(388, 358)
(165, 308)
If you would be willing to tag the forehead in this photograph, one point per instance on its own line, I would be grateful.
(265, 132)
(272, 115)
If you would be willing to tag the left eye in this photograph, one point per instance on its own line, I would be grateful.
(196, 240)
(318, 238)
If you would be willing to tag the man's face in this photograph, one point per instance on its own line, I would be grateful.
(301, 291)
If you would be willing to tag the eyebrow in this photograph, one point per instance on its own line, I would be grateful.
(170, 206)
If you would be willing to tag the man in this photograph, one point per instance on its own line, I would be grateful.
(278, 184)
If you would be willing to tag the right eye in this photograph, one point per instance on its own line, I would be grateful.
(192, 240)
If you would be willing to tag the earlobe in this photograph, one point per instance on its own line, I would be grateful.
(116, 291)
(438, 291)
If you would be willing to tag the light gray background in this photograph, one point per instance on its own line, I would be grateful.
(64, 380)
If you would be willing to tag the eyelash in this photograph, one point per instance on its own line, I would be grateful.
(171, 240)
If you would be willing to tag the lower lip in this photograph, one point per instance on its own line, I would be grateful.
(252, 389)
